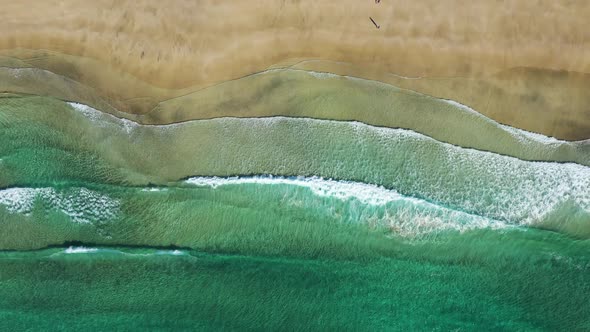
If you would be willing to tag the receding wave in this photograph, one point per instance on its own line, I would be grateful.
(118, 151)
(184, 214)
(360, 202)
(389, 217)
(411, 216)
(475, 180)
(300, 93)
(342, 202)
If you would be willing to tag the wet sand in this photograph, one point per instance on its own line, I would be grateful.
(518, 62)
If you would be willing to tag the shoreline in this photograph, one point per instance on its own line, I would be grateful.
(518, 63)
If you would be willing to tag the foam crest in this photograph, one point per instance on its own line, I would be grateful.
(463, 126)
(323, 75)
(171, 252)
(357, 203)
(129, 125)
(520, 134)
(494, 186)
(80, 250)
(104, 119)
(80, 204)
(16, 72)
(343, 190)
(482, 183)
(113, 251)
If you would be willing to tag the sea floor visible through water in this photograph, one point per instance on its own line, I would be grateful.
(282, 224)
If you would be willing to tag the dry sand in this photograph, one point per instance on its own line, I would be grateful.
(519, 62)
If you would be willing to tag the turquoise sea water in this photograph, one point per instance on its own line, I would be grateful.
(280, 223)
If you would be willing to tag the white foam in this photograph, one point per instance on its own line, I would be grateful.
(16, 72)
(85, 250)
(171, 252)
(153, 189)
(156, 253)
(80, 204)
(520, 134)
(343, 190)
(101, 117)
(88, 111)
(496, 186)
(129, 126)
(80, 250)
(349, 64)
(322, 75)
(405, 216)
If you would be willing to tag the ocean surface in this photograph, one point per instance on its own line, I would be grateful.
(284, 223)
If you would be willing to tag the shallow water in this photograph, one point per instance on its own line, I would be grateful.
(309, 94)
(280, 223)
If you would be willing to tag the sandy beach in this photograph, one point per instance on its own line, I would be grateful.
(518, 62)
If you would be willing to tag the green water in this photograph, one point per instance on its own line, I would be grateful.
(423, 287)
(109, 225)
